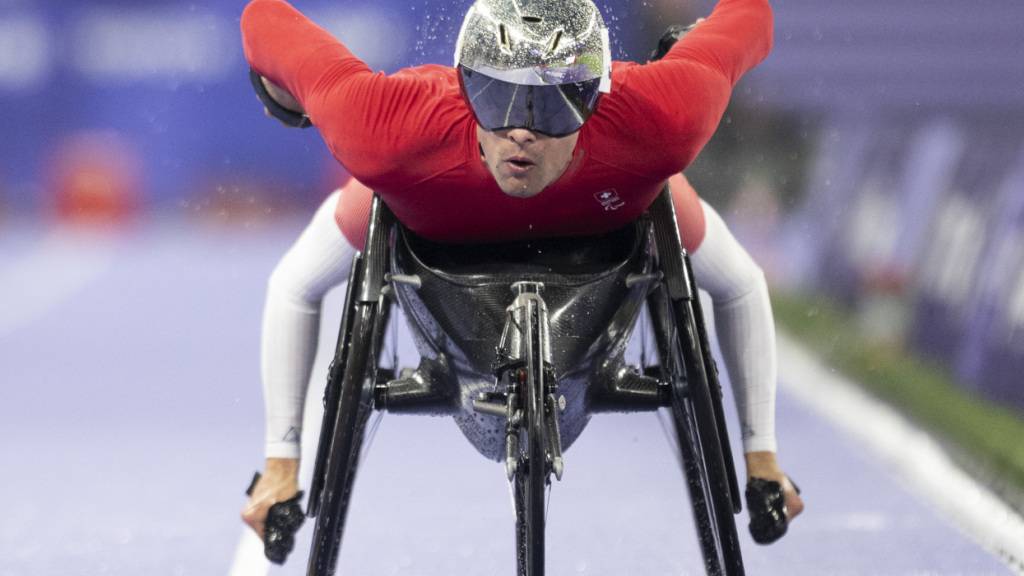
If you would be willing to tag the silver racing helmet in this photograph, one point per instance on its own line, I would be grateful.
(535, 64)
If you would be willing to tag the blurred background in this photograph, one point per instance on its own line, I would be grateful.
(874, 164)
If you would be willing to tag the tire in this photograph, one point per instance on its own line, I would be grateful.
(708, 478)
(354, 408)
(531, 477)
(349, 398)
(332, 393)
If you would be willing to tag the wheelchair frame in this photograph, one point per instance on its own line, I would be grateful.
(686, 380)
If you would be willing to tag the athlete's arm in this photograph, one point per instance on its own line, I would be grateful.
(736, 37)
(684, 94)
(291, 51)
(746, 336)
(372, 123)
(743, 314)
(744, 326)
(319, 260)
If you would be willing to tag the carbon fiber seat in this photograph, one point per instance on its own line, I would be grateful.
(466, 288)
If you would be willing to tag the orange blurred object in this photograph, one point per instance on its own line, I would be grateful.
(94, 177)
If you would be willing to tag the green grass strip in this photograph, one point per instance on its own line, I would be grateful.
(989, 436)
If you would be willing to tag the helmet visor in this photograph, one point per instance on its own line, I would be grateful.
(554, 110)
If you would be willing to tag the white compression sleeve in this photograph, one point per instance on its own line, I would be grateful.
(744, 325)
(319, 260)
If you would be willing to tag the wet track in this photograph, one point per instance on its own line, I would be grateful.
(131, 422)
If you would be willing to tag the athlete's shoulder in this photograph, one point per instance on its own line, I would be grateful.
(635, 110)
(435, 76)
(429, 72)
(631, 87)
(622, 66)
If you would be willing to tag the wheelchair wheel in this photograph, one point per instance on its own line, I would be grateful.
(709, 480)
(348, 402)
(355, 404)
(531, 477)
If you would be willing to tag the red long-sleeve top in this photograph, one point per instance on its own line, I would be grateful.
(411, 137)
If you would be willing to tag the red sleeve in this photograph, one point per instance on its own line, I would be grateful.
(271, 34)
(685, 94)
(736, 37)
(372, 123)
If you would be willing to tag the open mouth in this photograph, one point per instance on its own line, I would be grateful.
(520, 163)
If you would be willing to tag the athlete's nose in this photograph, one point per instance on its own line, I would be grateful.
(521, 136)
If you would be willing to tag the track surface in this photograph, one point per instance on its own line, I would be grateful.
(131, 422)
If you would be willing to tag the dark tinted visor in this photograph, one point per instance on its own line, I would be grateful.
(554, 110)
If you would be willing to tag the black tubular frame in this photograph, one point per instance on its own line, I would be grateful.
(696, 400)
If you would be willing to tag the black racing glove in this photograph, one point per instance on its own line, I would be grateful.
(283, 521)
(766, 504)
(668, 40)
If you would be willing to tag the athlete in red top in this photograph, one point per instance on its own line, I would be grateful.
(451, 172)
(412, 139)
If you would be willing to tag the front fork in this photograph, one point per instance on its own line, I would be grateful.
(524, 367)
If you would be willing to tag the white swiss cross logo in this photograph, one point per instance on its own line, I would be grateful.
(609, 199)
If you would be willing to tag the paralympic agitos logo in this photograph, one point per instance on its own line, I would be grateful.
(609, 199)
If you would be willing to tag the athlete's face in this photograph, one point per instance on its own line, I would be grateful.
(524, 162)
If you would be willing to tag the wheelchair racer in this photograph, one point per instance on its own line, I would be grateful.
(535, 132)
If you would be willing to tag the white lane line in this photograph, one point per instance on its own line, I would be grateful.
(249, 559)
(910, 452)
(60, 266)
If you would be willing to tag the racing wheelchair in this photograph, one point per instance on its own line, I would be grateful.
(521, 343)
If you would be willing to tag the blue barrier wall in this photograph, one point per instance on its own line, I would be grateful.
(916, 194)
(169, 79)
(930, 213)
